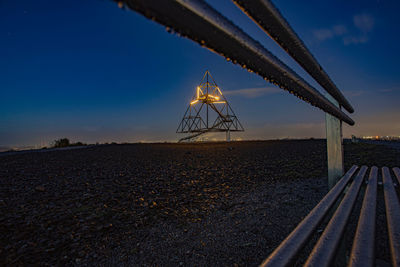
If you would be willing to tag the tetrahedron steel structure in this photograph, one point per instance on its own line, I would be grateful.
(208, 111)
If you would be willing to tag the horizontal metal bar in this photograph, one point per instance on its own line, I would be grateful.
(291, 246)
(268, 17)
(363, 251)
(325, 249)
(392, 206)
(198, 21)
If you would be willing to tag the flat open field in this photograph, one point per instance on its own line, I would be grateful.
(215, 204)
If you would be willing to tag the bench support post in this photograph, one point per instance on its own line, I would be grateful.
(334, 142)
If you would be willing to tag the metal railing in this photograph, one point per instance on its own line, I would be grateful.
(200, 22)
(268, 17)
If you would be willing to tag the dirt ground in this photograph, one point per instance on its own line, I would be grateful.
(210, 204)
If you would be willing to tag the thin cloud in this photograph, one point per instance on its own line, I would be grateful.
(339, 29)
(386, 90)
(329, 33)
(362, 26)
(323, 34)
(253, 92)
(364, 22)
(348, 40)
(90, 128)
(353, 93)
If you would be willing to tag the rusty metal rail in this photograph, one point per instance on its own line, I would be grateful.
(268, 17)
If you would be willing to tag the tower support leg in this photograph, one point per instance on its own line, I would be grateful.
(228, 136)
(334, 142)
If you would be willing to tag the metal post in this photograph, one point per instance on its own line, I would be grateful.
(228, 136)
(334, 142)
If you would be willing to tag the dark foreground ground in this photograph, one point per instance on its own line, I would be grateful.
(220, 204)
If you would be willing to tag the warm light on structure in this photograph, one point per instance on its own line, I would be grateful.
(204, 115)
(207, 97)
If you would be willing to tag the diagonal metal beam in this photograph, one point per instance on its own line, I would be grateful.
(268, 17)
(197, 20)
(197, 114)
(177, 130)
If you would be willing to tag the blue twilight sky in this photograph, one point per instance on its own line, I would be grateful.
(92, 72)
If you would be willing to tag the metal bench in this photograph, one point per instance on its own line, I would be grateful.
(200, 22)
(363, 247)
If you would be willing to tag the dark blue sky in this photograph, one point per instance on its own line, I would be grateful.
(90, 71)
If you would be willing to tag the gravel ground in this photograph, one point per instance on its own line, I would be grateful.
(210, 204)
(392, 144)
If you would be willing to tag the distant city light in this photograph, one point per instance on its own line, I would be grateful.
(377, 137)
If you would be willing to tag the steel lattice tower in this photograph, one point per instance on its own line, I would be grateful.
(208, 111)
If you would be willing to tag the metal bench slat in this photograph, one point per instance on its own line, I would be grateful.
(392, 207)
(363, 250)
(290, 247)
(325, 249)
(397, 173)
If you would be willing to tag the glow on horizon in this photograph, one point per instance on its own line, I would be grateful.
(90, 78)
